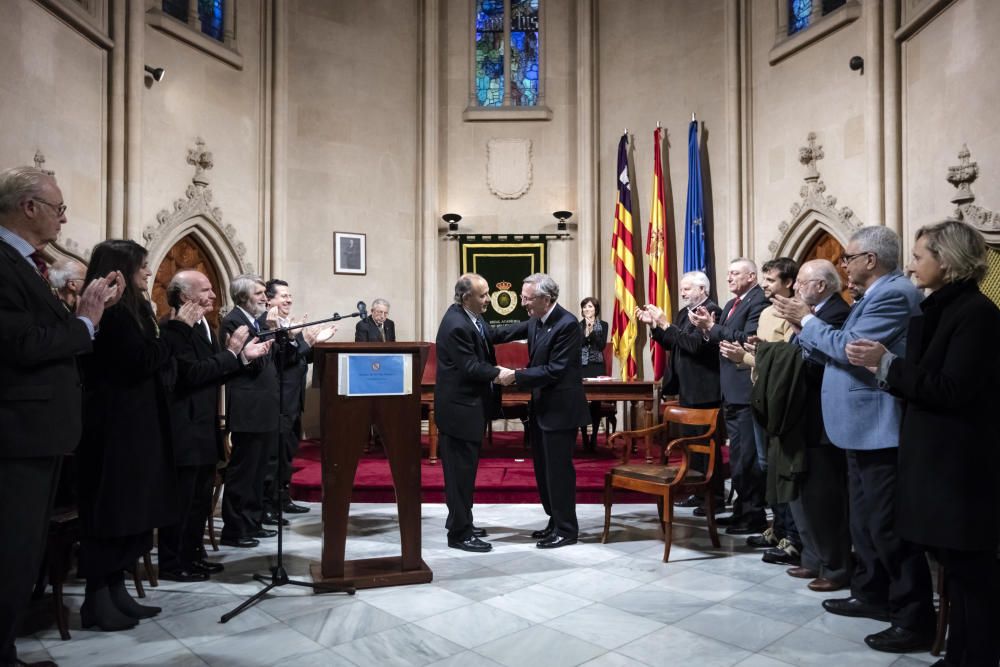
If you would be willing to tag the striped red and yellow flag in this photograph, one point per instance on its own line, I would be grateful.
(656, 254)
(623, 326)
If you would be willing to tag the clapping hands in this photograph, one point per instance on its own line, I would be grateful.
(506, 377)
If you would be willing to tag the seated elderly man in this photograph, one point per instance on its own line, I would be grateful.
(66, 277)
(377, 327)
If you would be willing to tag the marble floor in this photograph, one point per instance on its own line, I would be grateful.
(588, 604)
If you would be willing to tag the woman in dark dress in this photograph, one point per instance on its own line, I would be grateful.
(595, 338)
(947, 480)
(125, 464)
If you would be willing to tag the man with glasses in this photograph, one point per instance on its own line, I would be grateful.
(891, 581)
(66, 277)
(40, 392)
(377, 327)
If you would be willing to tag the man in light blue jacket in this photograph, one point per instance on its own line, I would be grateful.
(891, 580)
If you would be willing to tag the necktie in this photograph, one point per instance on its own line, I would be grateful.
(256, 326)
(381, 333)
(203, 323)
(479, 328)
(40, 265)
(736, 304)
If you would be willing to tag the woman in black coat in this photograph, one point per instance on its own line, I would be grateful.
(126, 470)
(595, 338)
(947, 481)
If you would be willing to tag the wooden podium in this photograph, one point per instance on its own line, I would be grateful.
(346, 423)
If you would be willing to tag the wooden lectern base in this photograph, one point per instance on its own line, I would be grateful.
(374, 573)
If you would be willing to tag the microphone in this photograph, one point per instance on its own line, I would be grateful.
(362, 310)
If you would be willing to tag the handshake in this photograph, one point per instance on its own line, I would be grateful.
(506, 377)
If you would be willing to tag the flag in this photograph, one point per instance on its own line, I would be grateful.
(694, 230)
(623, 327)
(656, 254)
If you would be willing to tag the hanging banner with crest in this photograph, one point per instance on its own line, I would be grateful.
(504, 262)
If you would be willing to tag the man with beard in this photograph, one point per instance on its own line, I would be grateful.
(251, 418)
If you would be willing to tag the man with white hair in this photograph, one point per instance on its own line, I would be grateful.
(66, 277)
(377, 327)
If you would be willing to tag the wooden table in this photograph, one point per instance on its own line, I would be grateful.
(632, 392)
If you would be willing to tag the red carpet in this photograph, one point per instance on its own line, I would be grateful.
(505, 475)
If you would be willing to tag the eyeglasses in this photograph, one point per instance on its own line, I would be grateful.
(58, 208)
(803, 281)
(847, 259)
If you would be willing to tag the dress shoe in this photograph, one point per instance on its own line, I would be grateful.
(690, 501)
(127, 605)
(471, 543)
(900, 640)
(854, 607)
(555, 541)
(785, 553)
(745, 528)
(292, 508)
(271, 519)
(801, 572)
(99, 610)
(824, 585)
(193, 574)
(479, 532)
(40, 663)
(265, 532)
(765, 540)
(208, 566)
(720, 508)
(543, 534)
(239, 542)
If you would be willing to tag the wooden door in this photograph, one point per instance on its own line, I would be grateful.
(187, 253)
(825, 246)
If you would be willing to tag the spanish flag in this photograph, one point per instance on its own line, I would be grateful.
(623, 326)
(656, 254)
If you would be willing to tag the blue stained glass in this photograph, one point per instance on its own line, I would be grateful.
(210, 14)
(524, 52)
(799, 13)
(489, 52)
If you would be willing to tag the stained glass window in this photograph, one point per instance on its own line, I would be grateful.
(799, 13)
(210, 15)
(524, 52)
(519, 59)
(489, 52)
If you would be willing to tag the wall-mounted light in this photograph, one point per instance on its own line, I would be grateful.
(857, 64)
(452, 220)
(157, 73)
(562, 217)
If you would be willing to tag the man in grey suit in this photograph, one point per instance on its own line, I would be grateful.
(891, 581)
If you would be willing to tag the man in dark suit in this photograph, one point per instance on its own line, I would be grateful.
(202, 366)
(820, 511)
(377, 327)
(464, 399)
(558, 403)
(40, 390)
(738, 323)
(693, 373)
(252, 418)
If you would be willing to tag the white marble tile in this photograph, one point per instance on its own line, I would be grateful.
(181, 657)
(537, 603)
(262, 646)
(846, 627)
(483, 584)
(537, 567)
(540, 645)
(713, 587)
(746, 566)
(674, 646)
(779, 605)
(658, 604)
(324, 658)
(202, 625)
(405, 646)
(343, 623)
(603, 625)
(915, 660)
(412, 603)
(465, 659)
(475, 624)
(640, 569)
(737, 627)
(610, 660)
(592, 584)
(114, 648)
(758, 660)
(811, 647)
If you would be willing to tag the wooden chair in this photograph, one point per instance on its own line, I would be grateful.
(660, 478)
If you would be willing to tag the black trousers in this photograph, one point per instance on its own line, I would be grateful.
(889, 571)
(180, 544)
(748, 478)
(277, 492)
(973, 580)
(552, 455)
(459, 462)
(27, 489)
(820, 511)
(242, 499)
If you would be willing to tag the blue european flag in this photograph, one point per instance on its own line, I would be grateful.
(694, 228)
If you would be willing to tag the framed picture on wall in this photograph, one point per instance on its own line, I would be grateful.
(349, 253)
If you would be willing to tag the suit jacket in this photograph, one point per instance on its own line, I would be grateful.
(366, 331)
(464, 396)
(202, 367)
(558, 401)
(948, 484)
(737, 327)
(594, 344)
(251, 396)
(857, 415)
(833, 312)
(40, 392)
(693, 372)
(295, 366)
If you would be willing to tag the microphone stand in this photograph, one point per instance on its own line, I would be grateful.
(279, 577)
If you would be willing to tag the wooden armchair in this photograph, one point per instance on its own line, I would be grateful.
(660, 477)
